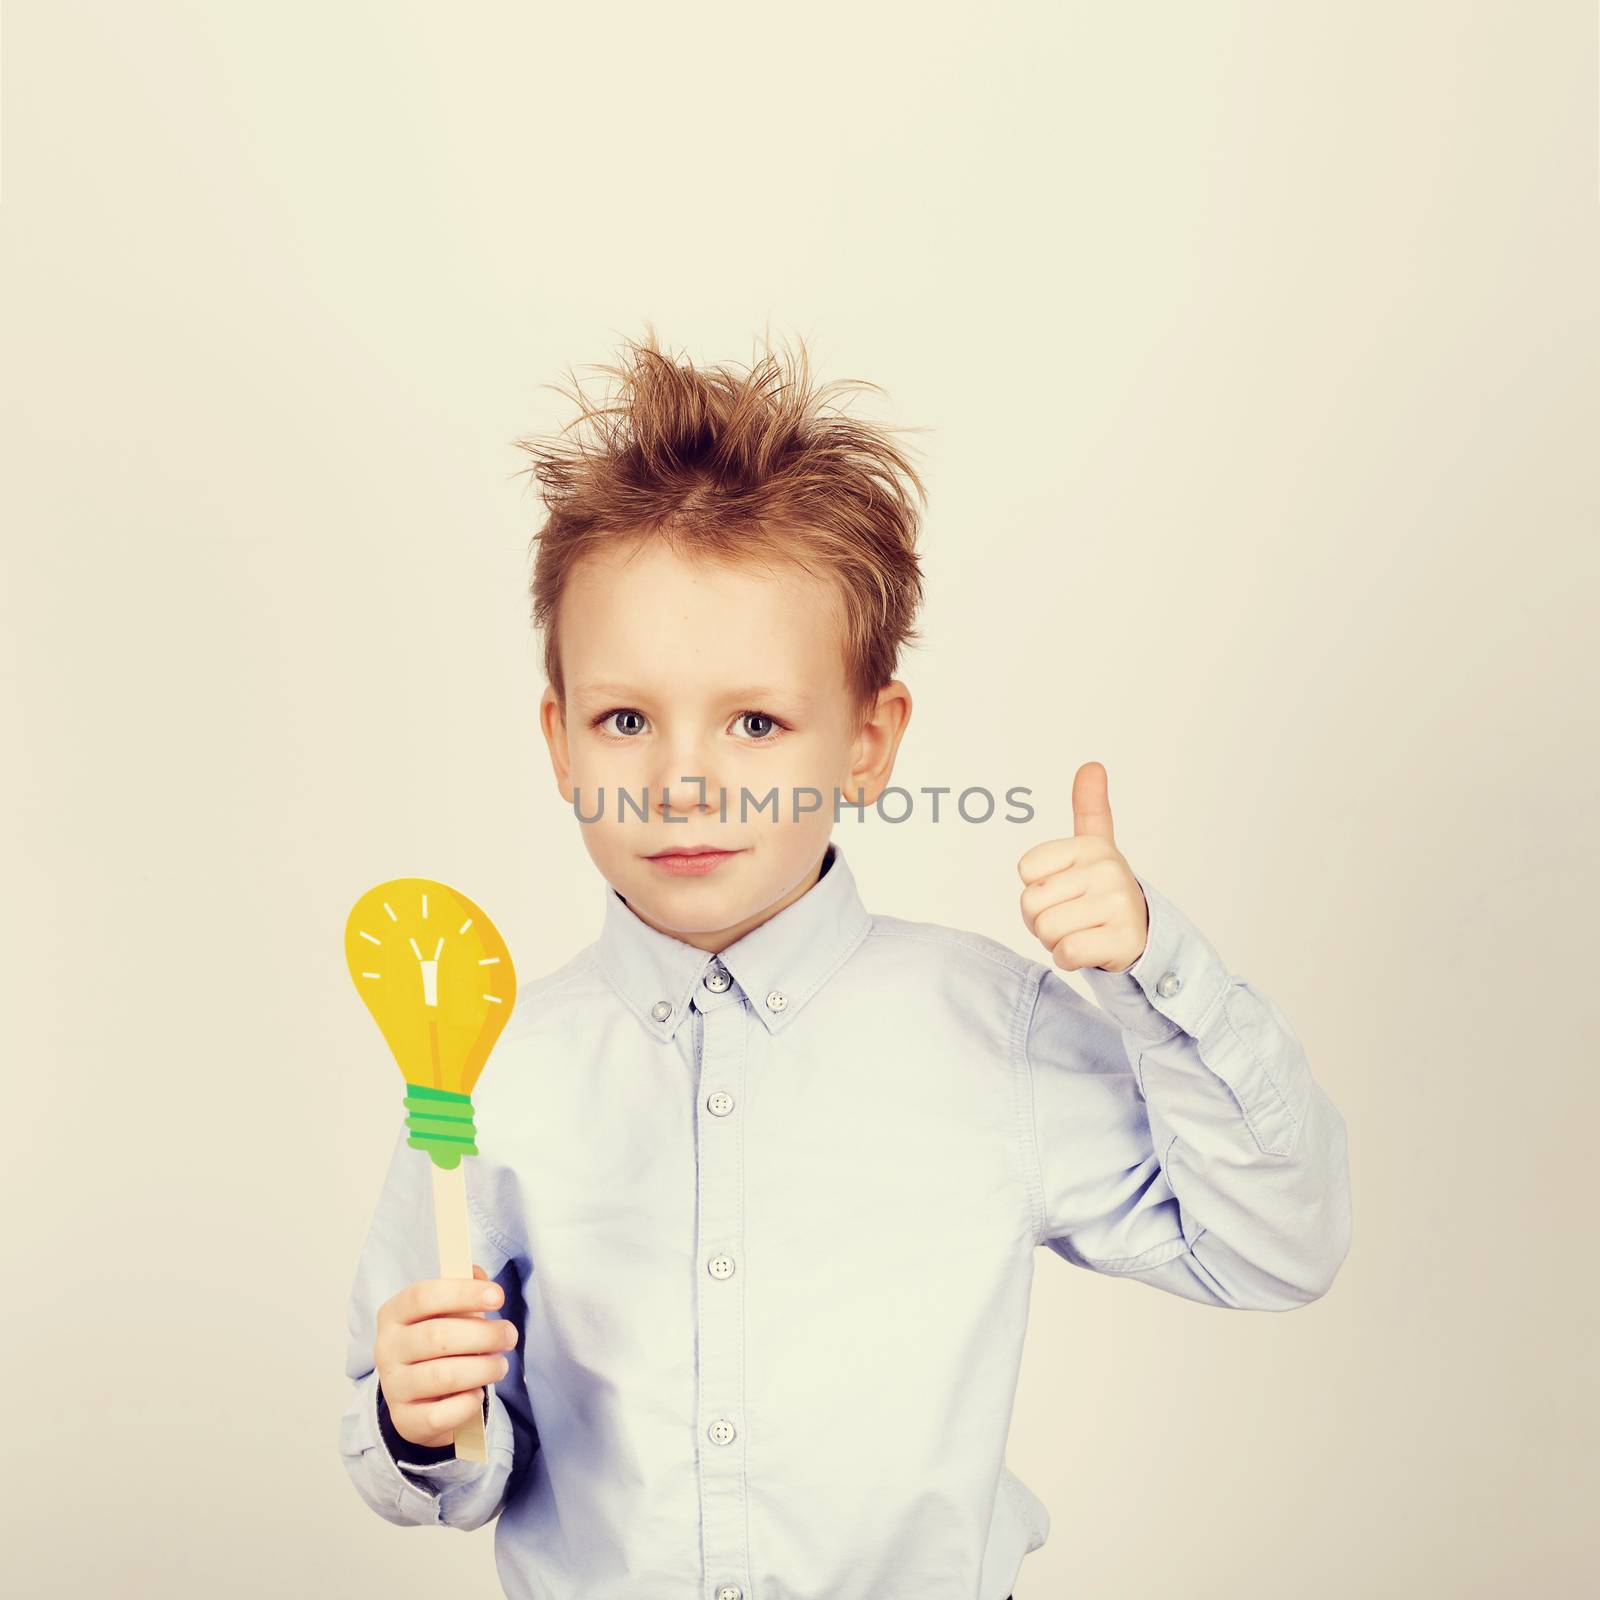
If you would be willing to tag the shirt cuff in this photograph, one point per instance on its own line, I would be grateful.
(1175, 986)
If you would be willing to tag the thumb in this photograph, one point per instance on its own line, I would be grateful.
(1091, 806)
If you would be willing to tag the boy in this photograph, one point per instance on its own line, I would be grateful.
(762, 1174)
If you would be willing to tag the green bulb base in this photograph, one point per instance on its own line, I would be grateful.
(441, 1123)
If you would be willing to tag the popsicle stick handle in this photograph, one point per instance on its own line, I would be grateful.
(455, 1261)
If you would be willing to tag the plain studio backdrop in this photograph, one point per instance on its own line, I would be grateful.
(1256, 346)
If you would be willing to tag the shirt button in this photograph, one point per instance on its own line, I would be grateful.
(721, 1431)
(720, 1266)
(719, 1104)
(717, 978)
(661, 1010)
(730, 1591)
(777, 1000)
(1169, 985)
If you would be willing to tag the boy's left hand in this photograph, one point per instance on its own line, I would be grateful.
(1081, 900)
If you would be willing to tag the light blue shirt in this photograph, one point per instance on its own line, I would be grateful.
(767, 1222)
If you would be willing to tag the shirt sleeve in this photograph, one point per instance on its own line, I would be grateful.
(400, 1249)
(1180, 1138)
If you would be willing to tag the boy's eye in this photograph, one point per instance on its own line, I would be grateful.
(626, 723)
(632, 722)
(762, 725)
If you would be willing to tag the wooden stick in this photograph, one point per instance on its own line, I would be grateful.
(455, 1261)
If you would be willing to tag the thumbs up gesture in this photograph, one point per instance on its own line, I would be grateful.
(1080, 897)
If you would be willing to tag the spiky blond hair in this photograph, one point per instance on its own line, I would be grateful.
(735, 465)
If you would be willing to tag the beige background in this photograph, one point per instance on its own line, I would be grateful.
(1257, 345)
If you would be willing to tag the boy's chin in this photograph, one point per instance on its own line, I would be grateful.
(651, 879)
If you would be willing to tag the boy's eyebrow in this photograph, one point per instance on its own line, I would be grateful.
(618, 689)
(751, 692)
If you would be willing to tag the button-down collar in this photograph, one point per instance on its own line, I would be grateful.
(778, 965)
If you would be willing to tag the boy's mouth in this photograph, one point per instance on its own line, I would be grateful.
(691, 860)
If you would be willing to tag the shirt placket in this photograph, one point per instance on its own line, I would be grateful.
(725, 1021)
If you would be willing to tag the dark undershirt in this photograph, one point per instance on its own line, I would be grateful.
(403, 1451)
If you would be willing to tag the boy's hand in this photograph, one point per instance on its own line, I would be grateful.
(434, 1342)
(1082, 901)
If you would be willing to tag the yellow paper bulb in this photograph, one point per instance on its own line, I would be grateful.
(438, 980)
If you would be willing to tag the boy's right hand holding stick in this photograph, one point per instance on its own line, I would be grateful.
(434, 1342)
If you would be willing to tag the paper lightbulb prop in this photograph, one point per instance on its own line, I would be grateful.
(438, 979)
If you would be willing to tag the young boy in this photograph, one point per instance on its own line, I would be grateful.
(762, 1173)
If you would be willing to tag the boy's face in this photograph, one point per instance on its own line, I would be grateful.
(678, 670)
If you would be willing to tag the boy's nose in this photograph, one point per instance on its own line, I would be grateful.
(683, 785)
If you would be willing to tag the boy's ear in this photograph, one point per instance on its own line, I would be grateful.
(553, 725)
(872, 758)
